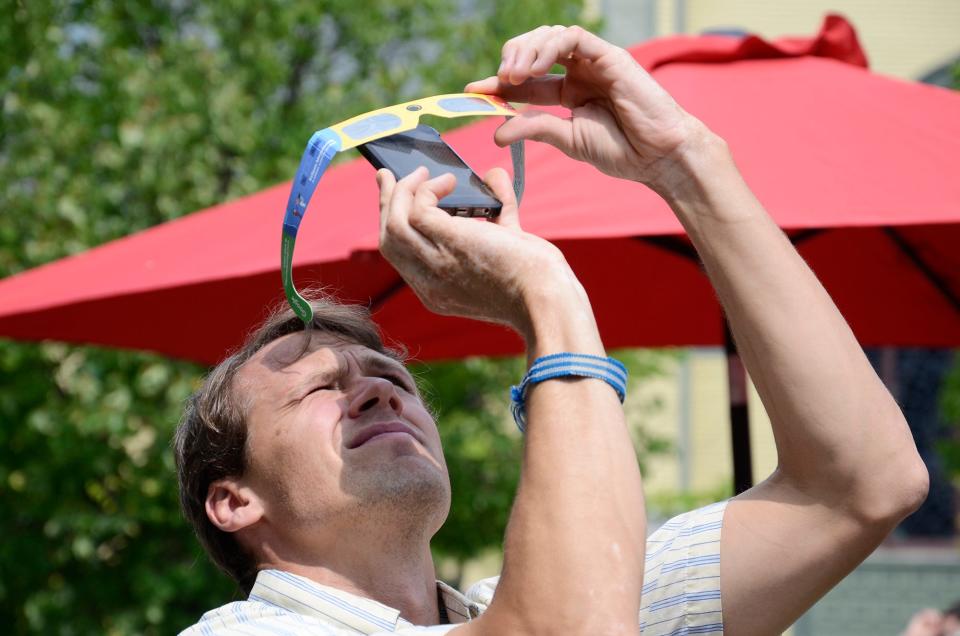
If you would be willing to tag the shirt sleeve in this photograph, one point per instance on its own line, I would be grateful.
(681, 589)
(293, 625)
(429, 629)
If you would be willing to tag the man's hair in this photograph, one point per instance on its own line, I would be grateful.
(953, 610)
(210, 441)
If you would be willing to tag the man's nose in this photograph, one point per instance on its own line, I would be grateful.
(374, 392)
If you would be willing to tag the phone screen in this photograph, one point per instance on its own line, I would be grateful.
(405, 152)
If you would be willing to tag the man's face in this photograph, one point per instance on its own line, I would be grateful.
(951, 624)
(339, 439)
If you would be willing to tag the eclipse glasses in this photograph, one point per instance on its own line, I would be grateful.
(376, 124)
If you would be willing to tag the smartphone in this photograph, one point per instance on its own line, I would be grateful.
(405, 152)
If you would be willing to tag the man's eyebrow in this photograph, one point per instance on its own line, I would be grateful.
(311, 378)
(379, 362)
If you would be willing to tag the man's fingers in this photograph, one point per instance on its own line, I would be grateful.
(402, 200)
(546, 58)
(396, 235)
(502, 186)
(429, 193)
(520, 53)
(536, 54)
(386, 183)
(519, 69)
(425, 217)
(486, 86)
(542, 91)
(577, 42)
(533, 53)
(537, 126)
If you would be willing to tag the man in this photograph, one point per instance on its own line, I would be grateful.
(931, 622)
(314, 473)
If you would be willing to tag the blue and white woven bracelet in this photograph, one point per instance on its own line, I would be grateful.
(558, 365)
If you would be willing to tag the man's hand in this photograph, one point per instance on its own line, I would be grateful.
(465, 267)
(574, 527)
(622, 121)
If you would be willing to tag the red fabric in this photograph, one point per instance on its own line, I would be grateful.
(825, 144)
(837, 40)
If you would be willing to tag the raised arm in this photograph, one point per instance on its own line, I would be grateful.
(848, 469)
(574, 548)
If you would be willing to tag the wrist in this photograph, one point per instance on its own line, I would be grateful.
(701, 159)
(682, 174)
(566, 365)
(704, 188)
(559, 317)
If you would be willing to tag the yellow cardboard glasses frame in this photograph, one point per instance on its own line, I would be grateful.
(376, 124)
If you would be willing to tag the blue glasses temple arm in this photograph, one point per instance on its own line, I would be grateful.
(320, 150)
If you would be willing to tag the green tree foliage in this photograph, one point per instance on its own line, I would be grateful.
(949, 447)
(92, 536)
(121, 115)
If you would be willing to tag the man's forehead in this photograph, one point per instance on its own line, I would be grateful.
(285, 352)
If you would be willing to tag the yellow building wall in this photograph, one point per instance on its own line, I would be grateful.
(654, 406)
(710, 464)
(688, 408)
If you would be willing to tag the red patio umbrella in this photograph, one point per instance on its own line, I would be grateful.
(860, 169)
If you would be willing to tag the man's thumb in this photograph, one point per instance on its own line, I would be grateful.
(537, 125)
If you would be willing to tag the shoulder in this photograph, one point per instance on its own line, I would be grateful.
(681, 585)
(681, 590)
(252, 618)
(706, 522)
(481, 592)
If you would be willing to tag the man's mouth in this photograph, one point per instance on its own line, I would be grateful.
(371, 431)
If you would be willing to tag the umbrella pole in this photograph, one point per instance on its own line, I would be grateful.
(739, 418)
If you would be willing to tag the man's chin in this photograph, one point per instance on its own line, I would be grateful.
(406, 484)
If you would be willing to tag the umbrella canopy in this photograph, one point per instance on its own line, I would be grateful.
(860, 170)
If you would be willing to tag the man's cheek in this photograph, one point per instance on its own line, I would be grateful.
(419, 415)
(327, 414)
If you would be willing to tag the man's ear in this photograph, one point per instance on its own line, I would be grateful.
(232, 507)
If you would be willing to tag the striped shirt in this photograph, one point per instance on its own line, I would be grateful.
(681, 594)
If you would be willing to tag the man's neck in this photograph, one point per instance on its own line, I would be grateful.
(404, 579)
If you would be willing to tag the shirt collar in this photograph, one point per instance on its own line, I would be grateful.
(306, 597)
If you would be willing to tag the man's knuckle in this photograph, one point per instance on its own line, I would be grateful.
(624, 56)
(392, 226)
(416, 213)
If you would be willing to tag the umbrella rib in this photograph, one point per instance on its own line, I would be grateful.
(805, 235)
(678, 246)
(673, 244)
(933, 277)
(381, 299)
